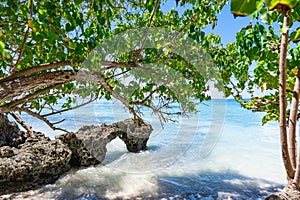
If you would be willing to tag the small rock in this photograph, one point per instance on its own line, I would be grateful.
(135, 135)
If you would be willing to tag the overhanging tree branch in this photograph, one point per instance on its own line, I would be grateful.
(35, 69)
(29, 96)
(18, 86)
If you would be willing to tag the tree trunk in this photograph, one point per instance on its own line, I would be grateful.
(293, 121)
(282, 94)
(296, 180)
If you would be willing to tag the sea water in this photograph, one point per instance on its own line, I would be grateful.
(222, 152)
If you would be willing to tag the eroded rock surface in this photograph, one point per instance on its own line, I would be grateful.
(27, 162)
(134, 134)
(88, 144)
(37, 161)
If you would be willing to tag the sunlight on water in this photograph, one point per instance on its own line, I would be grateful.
(245, 162)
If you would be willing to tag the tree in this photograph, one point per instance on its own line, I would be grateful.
(44, 46)
(277, 70)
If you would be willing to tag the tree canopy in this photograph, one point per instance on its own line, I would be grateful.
(44, 45)
(252, 60)
(60, 50)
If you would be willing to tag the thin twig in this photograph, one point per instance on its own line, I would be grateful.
(186, 25)
(149, 24)
(40, 118)
(112, 65)
(24, 40)
(68, 109)
(119, 74)
(58, 122)
(147, 97)
(235, 88)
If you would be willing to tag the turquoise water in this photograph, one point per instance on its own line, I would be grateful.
(221, 152)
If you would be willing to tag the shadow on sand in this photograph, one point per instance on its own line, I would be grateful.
(206, 185)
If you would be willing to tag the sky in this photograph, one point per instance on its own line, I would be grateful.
(227, 26)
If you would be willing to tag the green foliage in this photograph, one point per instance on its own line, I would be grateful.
(35, 33)
(247, 7)
(295, 36)
(272, 4)
(256, 54)
(244, 7)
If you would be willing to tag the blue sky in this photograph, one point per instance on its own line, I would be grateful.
(227, 25)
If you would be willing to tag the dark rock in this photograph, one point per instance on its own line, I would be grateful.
(134, 134)
(88, 144)
(10, 134)
(36, 162)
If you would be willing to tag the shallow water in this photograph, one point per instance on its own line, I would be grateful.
(219, 153)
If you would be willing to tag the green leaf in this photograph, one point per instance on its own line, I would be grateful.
(244, 7)
(78, 2)
(295, 36)
(284, 30)
(69, 27)
(2, 47)
(269, 17)
(101, 20)
(272, 4)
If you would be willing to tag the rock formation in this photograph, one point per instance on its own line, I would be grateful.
(88, 144)
(27, 162)
(134, 134)
(37, 161)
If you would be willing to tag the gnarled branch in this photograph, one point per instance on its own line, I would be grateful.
(35, 69)
(16, 87)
